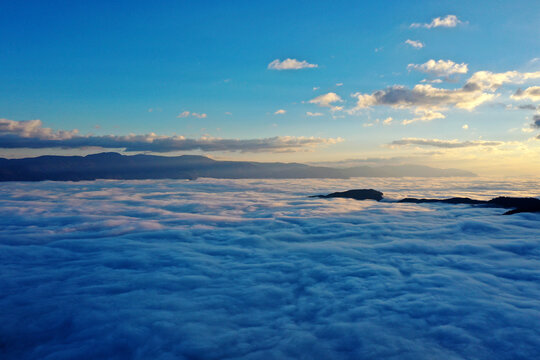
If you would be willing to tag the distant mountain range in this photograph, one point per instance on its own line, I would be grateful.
(116, 166)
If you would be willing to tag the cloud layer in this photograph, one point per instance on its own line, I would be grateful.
(31, 134)
(448, 144)
(257, 270)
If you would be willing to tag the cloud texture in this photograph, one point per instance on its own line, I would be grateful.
(447, 144)
(256, 270)
(427, 101)
(31, 134)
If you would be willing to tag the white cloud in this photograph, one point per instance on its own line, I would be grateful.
(465, 127)
(440, 68)
(290, 64)
(328, 100)
(428, 101)
(415, 43)
(280, 112)
(339, 84)
(387, 121)
(448, 21)
(33, 129)
(424, 115)
(431, 81)
(486, 80)
(309, 113)
(424, 97)
(254, 269)
(31, 134)
(532, 93)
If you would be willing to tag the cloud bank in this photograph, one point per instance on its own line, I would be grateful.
(447, 144)
(31, 134)
(256, 270)
(428, 101)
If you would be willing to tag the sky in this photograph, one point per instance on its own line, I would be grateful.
(445, 83)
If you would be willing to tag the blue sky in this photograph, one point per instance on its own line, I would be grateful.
(134, 67)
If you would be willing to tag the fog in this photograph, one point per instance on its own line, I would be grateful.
(254, 269)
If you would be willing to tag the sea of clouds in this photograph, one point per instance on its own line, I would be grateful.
(254, 269)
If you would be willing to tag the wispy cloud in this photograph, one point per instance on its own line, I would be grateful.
(31, 134)
(280, 112)
(448, 21)
(415, 43)
(423, 115)
(290, 64)
(388, 121)
(309, 113)
(448, 144)
(328, 100)
(186, 114)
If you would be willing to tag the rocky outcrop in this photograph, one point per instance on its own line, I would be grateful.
(357, 194)
(516, 204)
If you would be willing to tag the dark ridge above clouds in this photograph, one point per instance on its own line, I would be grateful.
(126, 167)
(517, 204)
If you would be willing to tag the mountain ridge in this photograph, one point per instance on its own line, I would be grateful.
(111, 165)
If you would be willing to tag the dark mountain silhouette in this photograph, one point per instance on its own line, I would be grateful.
(518, 205)
(117, 166)
(358, 194)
